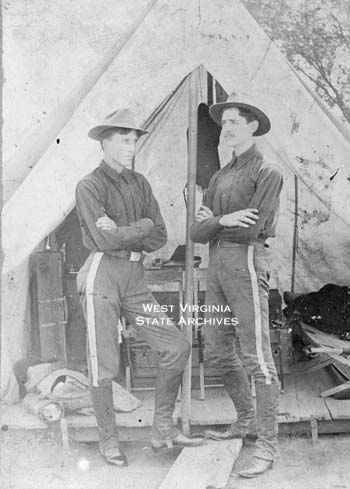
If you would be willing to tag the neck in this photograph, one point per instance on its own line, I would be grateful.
(243, 147)
(116, 165)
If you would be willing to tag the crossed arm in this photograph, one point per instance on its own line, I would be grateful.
(148, 233)
(245, 223)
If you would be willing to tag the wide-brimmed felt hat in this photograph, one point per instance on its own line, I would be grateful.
(118, 119)
(245, 102)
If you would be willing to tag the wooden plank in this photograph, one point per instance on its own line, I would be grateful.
(309, 366)
(336, 390)
(323, 339)
(308, 393)
(328, 381)
(339, 408)
(330, 349)
(288, 406)
(339, 359)
(206, 465)
(216, 409)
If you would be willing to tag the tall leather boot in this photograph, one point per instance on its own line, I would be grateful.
(267, 396)
(237, 387)
(164, 433)
(102, 399)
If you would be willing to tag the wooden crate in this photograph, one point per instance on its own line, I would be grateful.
(52, 307)
(285, 347)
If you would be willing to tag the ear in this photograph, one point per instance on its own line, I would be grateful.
(103, 143)
(253, 126)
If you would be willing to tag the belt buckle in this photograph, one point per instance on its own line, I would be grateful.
(135, 256)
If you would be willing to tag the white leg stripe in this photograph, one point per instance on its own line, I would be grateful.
(257, 313)
(90, 314)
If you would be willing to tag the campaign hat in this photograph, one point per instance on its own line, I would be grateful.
(245, 102)
(122, 118)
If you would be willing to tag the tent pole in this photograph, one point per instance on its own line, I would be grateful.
(42, 137)
(295, 232)
(191, 186)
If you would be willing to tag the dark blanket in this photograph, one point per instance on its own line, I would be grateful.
(328, 309)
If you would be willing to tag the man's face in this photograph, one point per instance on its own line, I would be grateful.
(235, 129)
(121, 147)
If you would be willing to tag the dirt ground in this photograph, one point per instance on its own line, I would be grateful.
(33, 461)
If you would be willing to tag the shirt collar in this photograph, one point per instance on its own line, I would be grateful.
(113, 174)
(247, 156)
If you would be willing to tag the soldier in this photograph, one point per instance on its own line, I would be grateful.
(120, 219)
(237, 216)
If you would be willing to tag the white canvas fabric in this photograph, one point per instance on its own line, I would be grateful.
(174, 39)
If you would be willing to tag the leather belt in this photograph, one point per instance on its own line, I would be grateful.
(223, 243)
(136, 256)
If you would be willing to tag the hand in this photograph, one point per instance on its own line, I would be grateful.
(106, 224)
(203, 213)
(242, 219)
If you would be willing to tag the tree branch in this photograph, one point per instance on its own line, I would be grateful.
(345, 38)
(317, 83)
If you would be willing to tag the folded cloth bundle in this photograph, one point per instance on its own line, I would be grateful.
(45, 409)
(52, 384)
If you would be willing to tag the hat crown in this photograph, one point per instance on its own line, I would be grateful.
(240, 97)
(244, 101)
(232, 97)
(120, 116)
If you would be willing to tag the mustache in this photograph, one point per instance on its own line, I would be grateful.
(227, 135)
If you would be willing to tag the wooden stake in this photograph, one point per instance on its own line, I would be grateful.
(314, 430)
(65, 443)
(189, 260)
(295, 233)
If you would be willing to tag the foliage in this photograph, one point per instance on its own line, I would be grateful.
(315, 36)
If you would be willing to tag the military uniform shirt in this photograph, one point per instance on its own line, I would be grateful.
(128, 200)
(245, 182)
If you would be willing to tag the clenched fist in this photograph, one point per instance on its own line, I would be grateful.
(203, 213)
(106, 224)
(242, 219)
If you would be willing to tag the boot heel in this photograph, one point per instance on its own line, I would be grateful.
(166, 445)
(159, 449)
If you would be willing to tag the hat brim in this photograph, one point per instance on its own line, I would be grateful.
(216, 111)
(97, 131)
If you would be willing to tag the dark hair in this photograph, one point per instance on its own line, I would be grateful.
(113, 130)
(247, 114)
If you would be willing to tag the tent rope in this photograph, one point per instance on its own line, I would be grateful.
(260, 65)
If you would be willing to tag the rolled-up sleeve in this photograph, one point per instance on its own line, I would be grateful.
(90, 209)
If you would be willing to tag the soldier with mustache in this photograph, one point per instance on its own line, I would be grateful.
(238, 215)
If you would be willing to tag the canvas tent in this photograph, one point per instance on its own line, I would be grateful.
(150, 75)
